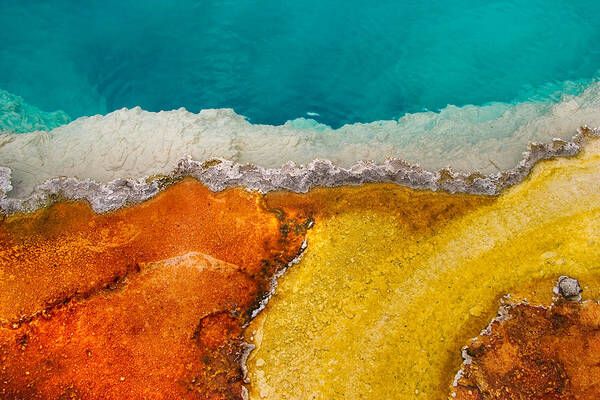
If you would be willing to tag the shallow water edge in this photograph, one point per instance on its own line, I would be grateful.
(220, 174)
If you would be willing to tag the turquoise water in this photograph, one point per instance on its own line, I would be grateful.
(335, 61)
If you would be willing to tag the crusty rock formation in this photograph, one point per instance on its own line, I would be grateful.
(220, 174)
(534, 352)
(146, 302)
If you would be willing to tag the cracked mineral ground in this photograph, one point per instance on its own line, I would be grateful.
(379, 288)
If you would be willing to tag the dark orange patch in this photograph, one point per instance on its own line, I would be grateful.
(146, 302)
(67, 250)
(418, 210)
(536, 353)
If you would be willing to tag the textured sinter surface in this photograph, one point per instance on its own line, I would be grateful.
(145, 302)
(219, 174)
(533, 352)
(394, 283)
(390, 290)
(136, 143)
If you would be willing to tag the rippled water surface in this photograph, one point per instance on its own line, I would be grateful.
(336, 61)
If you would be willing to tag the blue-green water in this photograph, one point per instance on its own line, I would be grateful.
(336, 61)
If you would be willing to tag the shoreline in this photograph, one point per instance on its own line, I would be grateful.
(220, 174)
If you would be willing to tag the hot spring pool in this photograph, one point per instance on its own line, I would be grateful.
(338, 62)
(466, 84)
(274, 199)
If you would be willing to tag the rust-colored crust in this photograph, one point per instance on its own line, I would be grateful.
(535, 353)
(418, 211)
(146, 302)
